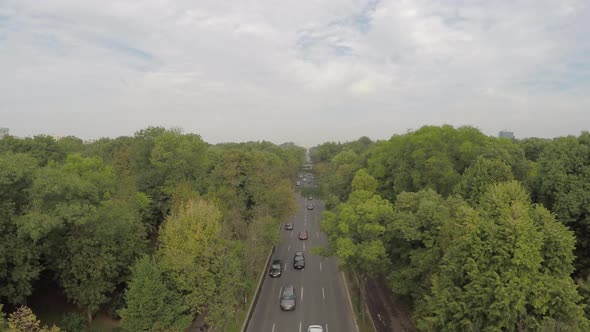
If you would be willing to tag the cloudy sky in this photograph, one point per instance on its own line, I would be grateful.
(304, 71)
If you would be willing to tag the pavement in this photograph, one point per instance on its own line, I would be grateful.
(321, 294)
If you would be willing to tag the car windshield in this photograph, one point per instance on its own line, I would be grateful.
(276, 266)
(288, 295)
(298, 258)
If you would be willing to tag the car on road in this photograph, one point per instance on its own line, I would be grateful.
(288, 298)
(310, 198)
(304, 179)
(310, 206)
(276, 268)
(303, 235)
(299, 260)
(298, 183)
(289, 226)
(315, 328)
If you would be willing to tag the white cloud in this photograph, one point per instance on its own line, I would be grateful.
(291, 70)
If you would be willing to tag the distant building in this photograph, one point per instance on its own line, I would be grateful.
(3, 132)
(506, 134)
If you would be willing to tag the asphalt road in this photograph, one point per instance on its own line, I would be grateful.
(321, 294)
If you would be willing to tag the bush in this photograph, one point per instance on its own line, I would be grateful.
(73, 322)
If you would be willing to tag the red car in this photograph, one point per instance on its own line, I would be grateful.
(303, 235)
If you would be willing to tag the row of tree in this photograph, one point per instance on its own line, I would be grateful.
(477, 233)
(160, 213)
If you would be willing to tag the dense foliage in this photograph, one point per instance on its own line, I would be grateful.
(477, 233)
(160, 214)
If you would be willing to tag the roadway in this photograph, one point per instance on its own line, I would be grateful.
(321, 294)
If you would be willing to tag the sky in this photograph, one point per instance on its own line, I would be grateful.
(301, 71)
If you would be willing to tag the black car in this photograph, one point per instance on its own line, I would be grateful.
(276, 268)
(299, 260)
(289, 226)
(288, 298)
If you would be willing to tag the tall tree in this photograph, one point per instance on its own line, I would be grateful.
(478, 177)
(19, 256)
(356, 230)
(150, 304)
(202, 266)
(506, 267)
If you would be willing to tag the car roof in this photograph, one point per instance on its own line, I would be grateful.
(315, 328)
(299, 253)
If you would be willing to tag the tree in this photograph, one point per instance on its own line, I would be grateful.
(478, 177)
(24, 320)
(356, 231)
(151, 304)
(202, 266)
(506, 266)
(97, 255)
(413, 241)
(563, 186)
(19, 256)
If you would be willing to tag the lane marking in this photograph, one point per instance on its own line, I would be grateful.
(301, 294)
(285, 268)
(299, 326)
(273, 327)
(317, 235)
(323, 294)
(280, 292)
(326, 327)
(289, 249)
(320, 266)
(303, 246)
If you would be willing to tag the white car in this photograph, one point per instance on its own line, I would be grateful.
(315, 328)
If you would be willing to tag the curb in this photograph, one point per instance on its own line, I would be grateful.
(257, 293)
(370, 316)
(350, 301)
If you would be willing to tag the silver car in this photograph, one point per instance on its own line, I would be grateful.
(315, 328)
(288, 298)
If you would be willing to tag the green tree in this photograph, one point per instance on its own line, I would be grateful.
(97, 255)
(24, 320)
(506, 267)
(19, 256)
(151, 304)
(478, 177)
(202, 265)
(564, 188)
(356, 231)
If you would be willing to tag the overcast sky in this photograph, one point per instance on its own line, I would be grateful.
(304, 71)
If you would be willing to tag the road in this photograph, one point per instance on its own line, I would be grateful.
(321, 295)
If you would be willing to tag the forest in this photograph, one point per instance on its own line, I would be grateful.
(161, 229)
(157, 230)
(475, 233)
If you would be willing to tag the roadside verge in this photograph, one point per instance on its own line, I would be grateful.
(257, 293)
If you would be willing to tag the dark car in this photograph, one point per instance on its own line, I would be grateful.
(276, 268)
(289, 226)
(288, 298)
(299, 260)
(310, 206)
(303, 235)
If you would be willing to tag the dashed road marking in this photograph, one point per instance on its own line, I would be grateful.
(301, 294)
(320, 266)
(323, 294)
(273, 327)
(289, 248)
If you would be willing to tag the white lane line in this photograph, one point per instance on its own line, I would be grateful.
(326, 327)
(289, 248)
(301, 294)
(273, 327)
(320, 266)
(291, 234)
(323, 294)
(317, 235)
(300, 326)
(303, 246)
(285, 268)
(280, 291)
